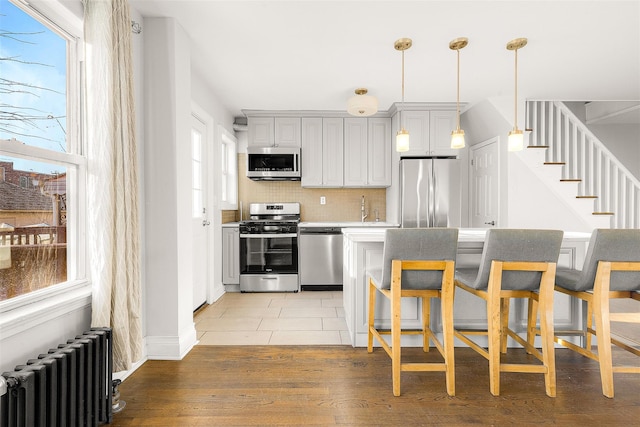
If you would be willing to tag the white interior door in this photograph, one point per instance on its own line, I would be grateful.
(200, 222)
(484, 184)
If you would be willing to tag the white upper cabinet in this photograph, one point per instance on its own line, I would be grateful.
(379, 153)
(332, 152)
(311, 152)
(273, 131)
(429, 132)
(322, 152)
(260, 131)
(441, 123)
(287, 132)
(367, 152)
(417, 123)
(355, 152)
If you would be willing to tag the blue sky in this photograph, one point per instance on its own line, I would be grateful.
(48, 107)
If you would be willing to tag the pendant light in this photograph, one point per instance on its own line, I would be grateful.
(457, 136)
(362, 105)
(516, 137)
(402, 137)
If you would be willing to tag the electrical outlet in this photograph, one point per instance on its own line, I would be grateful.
(323, 200)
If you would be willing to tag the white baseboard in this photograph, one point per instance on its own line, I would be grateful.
(171, 347)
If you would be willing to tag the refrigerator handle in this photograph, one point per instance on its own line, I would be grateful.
(432, 197)
(436, 196)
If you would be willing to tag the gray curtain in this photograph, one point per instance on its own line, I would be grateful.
(112, 181)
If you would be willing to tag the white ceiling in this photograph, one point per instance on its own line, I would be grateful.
(312, 54)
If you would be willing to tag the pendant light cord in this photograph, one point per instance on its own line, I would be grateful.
(402, 104)
(458, 90)
(515, 102)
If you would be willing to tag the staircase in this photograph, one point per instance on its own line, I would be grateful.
(602, 187)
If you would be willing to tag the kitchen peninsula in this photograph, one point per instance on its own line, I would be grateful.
(363, 250)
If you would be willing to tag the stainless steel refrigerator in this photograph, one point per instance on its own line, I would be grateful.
(430, 192)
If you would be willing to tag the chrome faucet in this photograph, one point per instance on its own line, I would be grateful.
(363, 215)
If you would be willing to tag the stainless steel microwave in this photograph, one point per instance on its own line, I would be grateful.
(273, 163)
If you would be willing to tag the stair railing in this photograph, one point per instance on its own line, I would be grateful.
(585, 159)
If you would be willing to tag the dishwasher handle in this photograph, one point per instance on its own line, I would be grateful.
(320, 230)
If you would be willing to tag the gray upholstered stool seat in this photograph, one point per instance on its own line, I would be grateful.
(515, 263)
(418, 262)
(611, 270)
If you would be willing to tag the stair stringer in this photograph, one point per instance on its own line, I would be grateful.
(566, 192)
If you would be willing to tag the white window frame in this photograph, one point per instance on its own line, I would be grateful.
(29, 310)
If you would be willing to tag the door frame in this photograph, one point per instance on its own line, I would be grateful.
(472, 149)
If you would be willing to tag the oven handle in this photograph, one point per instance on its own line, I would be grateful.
(267, 235)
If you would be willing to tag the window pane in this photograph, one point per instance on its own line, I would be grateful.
(33, 226)
(33, 83)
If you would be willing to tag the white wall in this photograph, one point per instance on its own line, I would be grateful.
(623, 140)
(169, 318)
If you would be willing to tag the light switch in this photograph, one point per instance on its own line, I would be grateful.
(323, 200)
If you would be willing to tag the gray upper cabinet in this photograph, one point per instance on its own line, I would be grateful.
(273, 131)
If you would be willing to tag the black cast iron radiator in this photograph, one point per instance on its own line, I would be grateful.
(68, 386)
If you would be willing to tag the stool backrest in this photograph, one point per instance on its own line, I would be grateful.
(418, 244)
(612, 245)
(518, 245)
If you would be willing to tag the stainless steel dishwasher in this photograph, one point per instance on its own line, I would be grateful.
(320, 258)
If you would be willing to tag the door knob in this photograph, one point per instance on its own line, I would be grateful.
(205, 222)
(491, 223)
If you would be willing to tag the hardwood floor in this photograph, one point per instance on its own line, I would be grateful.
(341, 385)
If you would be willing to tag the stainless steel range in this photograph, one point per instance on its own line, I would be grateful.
(269, 248)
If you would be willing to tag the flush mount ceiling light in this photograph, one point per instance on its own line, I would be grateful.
(516, 137)
(457, 136)
(361, 104)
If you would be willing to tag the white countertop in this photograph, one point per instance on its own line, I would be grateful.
(349, 224)
(472, 235)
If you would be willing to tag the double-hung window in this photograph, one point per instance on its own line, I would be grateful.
(42, 165)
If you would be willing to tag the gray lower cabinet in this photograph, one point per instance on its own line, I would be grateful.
(230, 255)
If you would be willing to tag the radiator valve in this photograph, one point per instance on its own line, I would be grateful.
(117, 405)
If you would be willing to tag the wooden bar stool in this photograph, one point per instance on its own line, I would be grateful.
(420, 263)
(515, 264)
(611, 270)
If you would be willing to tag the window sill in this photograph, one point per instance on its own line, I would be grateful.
(27, 311)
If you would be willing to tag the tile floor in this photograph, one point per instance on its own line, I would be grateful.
(302, 318)
(317, 318)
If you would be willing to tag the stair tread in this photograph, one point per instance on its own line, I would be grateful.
(554, 163)
(571, 180)
(537, 146)
(603, 213)
(586, 197)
